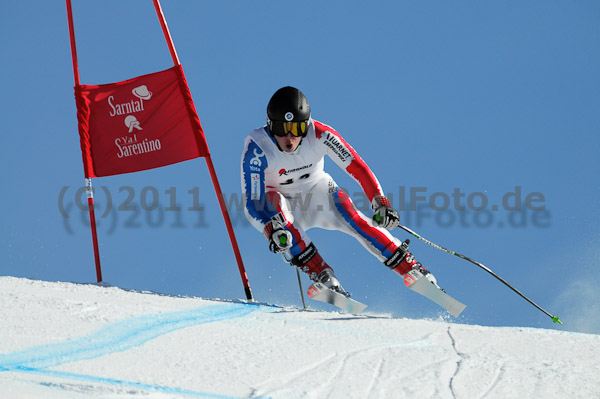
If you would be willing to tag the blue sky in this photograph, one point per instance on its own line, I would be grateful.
(483, 98)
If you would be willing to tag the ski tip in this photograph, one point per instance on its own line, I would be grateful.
(556, 320)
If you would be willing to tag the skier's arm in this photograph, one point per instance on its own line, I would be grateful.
(259, 205)
(348, 159)
(256, 205)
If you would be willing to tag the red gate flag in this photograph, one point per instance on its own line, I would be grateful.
(138, 124)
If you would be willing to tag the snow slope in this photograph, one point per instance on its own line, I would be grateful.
(63, 340)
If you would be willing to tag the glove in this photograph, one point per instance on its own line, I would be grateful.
(280, 239)
(383, 214)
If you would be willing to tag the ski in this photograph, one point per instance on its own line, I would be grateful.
(320, 292)
(416, 281)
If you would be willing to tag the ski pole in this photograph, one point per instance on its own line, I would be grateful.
(299, 280)
(555, 319)
(301, 289)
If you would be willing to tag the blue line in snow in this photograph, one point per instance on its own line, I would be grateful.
(129, 384)
(118, 337)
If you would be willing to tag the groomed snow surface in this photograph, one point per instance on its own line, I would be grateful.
(64, 340)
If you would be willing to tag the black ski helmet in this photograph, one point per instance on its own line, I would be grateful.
(288, 104)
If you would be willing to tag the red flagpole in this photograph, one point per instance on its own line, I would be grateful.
(166, 33)
(88, 181)
(209, 163)
(234, 244)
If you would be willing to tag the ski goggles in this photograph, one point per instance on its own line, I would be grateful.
(281, 129)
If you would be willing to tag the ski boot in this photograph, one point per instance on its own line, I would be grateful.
(428, 275)
(402, 262)
(418, 279)
(328, 279)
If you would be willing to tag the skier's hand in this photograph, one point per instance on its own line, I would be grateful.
(383, 214)
(280, 239)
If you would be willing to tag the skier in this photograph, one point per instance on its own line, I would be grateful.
(288, 192)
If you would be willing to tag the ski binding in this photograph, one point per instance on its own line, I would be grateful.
(320, 292)
(416, 281)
